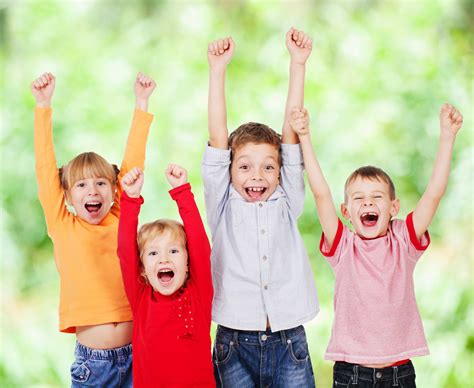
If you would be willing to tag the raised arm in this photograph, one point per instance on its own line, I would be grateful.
(138, 135)
(50, 192)
(130, 203)
(299, 123)
(219, 54)
(450, 120)
(299, 45)
(199, 250)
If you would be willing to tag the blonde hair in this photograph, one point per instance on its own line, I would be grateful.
(87, 165)
(157, 228)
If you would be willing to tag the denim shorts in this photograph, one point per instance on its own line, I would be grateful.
(262, 359)
(102, 368)
(353, 375)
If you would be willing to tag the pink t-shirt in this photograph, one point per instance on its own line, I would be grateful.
(376, 319)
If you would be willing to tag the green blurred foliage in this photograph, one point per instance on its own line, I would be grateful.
(378, 74)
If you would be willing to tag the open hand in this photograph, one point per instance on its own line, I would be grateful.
(176, 175)
(132, 182)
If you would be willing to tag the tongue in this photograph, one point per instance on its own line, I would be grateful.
(166, 277)
(369, 222)
(254, 194)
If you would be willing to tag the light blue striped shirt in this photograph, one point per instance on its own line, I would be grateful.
(260, 267)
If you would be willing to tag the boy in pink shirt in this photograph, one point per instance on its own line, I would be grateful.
(377, 326)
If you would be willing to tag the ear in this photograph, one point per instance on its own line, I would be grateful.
(67, 196)
(395, 207)
(345, 211)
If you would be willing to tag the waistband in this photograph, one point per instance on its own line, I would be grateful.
(389, 373)
(259, 337)
(103, 354)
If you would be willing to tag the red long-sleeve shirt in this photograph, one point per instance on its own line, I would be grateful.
(171, 334)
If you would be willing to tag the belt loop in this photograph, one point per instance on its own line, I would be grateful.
(235, 337)
(395, 376)
(355, 381)
(283, 337)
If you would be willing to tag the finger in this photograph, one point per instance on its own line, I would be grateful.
(226, 44)
(300, 37)
(304, 42)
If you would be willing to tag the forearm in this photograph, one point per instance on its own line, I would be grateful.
(217, 111)
(141, 104)
(295, 98)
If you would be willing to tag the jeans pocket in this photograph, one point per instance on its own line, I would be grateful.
(298, 349)
(223, 352)
(407, 382)
(79, 371)
(341, 380)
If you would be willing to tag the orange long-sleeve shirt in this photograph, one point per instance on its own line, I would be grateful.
(91, 286)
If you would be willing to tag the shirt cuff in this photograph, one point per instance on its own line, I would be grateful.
(335, 243)
(174, 192)
(421, 244)
(141, 114)
(216, 156)
(291, 154)
(125, 197)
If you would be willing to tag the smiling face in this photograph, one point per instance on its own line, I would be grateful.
(165, 262)
(91, 198)
(255, 171)
(369, 206)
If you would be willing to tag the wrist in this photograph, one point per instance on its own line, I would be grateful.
(447, 136)
(217, 70)
(141, 103)
(297, 63)
(43, 104)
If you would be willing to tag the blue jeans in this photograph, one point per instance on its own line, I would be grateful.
(357, 376)
(102, 368)
(262, 359)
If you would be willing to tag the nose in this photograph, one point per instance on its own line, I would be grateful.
(257, 175)
(368, 202)
(163, 259)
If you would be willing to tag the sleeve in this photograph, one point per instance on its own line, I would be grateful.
(292, 180)
(50, 192)
(415, 247)
(333, 253)
(127, 245)
(216, 176)
(199, 250)
(136, 147)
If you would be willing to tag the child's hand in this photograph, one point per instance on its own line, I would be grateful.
(299, 121)
(132, 182)
(299, 45)
(220, 52)
(176, 175)
(43, 89)
(144, 86)
(450, 119)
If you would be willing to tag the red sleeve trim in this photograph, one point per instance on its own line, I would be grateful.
(411, 232)
(138, 200)
(177, 190)
(335, 243)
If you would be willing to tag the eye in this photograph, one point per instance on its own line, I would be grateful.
(357, 198)
(81, 184)
(269, 168)
(243, 167)
(377, 196)
(152, 253)
(101, 183)
(174, 251)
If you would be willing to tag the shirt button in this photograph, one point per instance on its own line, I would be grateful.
(266, 287)
(264, 258)
(260, 205)
(262, 231)
(378, 375)
(264, 337)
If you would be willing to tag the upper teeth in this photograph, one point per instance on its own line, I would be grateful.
(164, 270)
(93, 203)
(369, 214)
(256, 188)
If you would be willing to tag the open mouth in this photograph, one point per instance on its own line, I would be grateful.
(165, 276)
(93, 206)
(369, 218)
(255, 192)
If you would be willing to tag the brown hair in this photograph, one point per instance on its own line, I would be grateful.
(87, 165)
(254, 133)
(374, 174)
(156, 228)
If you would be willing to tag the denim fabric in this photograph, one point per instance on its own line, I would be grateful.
(353, 375)
(262, 359)
(102, 368)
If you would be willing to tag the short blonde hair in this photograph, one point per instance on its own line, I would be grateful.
(87, 165)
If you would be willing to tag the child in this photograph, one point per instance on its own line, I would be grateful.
(167, 276)
(92, 303)
(254, 191)
(377, 327)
